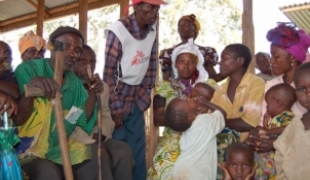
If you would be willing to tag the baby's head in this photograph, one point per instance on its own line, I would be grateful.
(279, 98)
(204, 90)
(180, 113)
(302, 84)
(239, 160)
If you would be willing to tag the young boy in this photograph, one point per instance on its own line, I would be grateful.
(239, 163)
(293, 146)
(263, 65)
(198, 157)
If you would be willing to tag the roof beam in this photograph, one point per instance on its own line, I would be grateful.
(248, 37)
(83, 9)
(123, 5)
(33, 4)
(57, 12)
(295, 8)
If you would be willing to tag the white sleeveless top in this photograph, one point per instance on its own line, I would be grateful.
(136, 53)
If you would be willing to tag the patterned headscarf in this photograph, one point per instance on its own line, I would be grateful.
(192, 18)
(30, 40)
(286, 36)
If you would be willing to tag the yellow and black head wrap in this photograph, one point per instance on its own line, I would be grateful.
(192, 19)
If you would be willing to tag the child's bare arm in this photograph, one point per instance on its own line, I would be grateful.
(275, 131)
(159, 103)
(9, 89)
(159, 116)
(203, 102)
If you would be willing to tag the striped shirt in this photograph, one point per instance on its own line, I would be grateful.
(122, 95)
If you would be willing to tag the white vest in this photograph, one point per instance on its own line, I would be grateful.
(136, 53)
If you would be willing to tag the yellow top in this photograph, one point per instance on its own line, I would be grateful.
(247, 103)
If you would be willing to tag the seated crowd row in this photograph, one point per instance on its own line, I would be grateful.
(252, 129)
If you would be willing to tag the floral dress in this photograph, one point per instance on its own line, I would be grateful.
(168, 149)
(266, 165)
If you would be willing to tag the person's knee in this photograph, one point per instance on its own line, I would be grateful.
(124, 154)
(124, 149)
(41, 169)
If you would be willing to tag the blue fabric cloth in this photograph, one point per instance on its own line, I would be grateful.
(133, 133)
(10, 168)
(9, 164)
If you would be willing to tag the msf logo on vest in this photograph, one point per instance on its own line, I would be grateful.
(139, 58)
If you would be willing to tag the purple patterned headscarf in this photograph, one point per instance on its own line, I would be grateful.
(286, 36)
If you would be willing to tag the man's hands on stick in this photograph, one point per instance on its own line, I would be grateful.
(48, 86)
(103, 147)
(95, 85)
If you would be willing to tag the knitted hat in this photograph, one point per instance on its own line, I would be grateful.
(63, 30)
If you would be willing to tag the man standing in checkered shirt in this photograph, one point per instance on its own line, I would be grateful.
(130, 71)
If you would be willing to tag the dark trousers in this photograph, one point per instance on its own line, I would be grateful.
(122, 162)
(133, 133)
(43, 169)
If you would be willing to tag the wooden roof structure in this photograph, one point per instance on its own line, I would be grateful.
(16, 14)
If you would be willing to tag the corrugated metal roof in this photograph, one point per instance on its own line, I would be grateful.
(298, 13)
(10, 9)
(14, 8)
(57, 3)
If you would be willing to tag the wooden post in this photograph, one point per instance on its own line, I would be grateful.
(83, 9)
(248, 38)
(40, 17)
(152, 131)
(123, 5)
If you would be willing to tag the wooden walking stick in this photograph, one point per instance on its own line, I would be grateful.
(57, 107)
(99, 124)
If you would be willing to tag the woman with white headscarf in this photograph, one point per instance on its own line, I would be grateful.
(188, 70)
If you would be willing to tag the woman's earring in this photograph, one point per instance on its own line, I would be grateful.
(292, 64)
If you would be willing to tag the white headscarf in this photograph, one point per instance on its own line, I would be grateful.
(192, 48)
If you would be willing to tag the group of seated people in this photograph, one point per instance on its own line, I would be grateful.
(39, 150)
(243, 129)
(249, 127)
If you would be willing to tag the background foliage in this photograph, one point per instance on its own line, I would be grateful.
(220, 25)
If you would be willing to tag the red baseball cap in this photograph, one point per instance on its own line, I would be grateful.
(154, 2)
